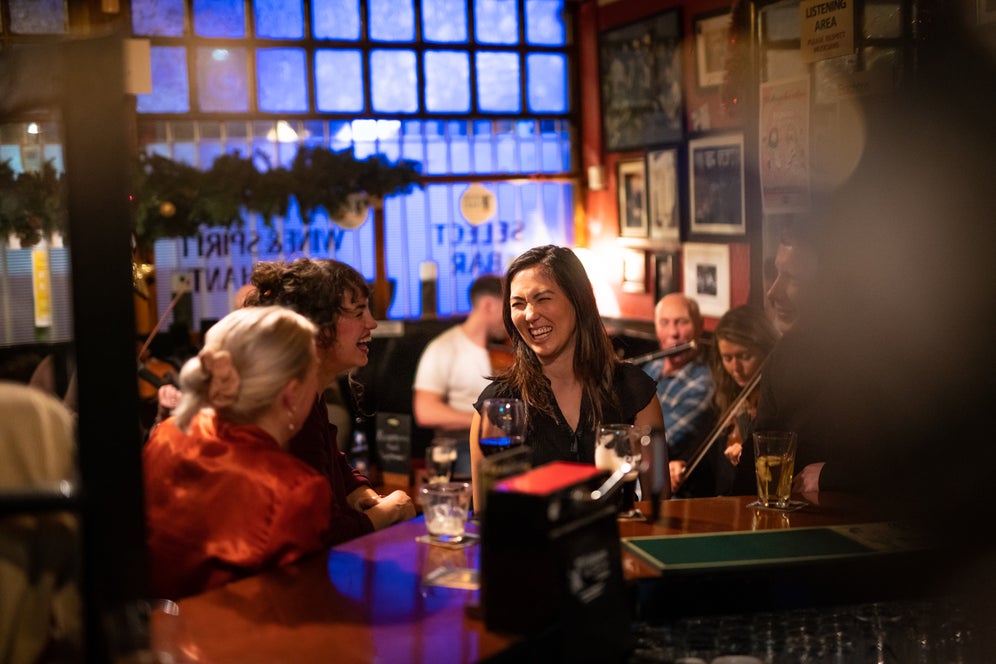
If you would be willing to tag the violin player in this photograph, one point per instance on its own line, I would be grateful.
(684, 384)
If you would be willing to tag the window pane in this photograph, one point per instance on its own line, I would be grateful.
(219, 18)
(338, 80)
(447, 81)
(170, 89)
(546, 76)
(483, 153)
(498, 82)
(392, 20)
(496, 21)
(336, 19)
(545, 22)
(38, 17)
(282, 80)
(459, 147)
(279, 19)
(157, 17)
(222, 81)
(393, 81)
(444, 21)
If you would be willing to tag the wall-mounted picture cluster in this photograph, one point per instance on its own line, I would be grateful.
(681, 188)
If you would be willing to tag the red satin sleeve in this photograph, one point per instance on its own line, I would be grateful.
(225, 502)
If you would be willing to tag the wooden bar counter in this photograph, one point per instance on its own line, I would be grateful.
(368, 600)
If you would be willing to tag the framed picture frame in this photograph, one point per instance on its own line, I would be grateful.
(631, 184)
(664, 194)
(634, 271)
(716, 185)
(711, 32)
(667, 273)
(706, 275)
(640, 68)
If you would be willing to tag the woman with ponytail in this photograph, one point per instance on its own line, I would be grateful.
(224, 498)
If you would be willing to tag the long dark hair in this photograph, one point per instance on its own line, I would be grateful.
(746, 326)
(594, 359)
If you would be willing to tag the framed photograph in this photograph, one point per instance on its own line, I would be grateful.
(707, 276)
(664, 199)
(634, 271)
(632, 187)
(641, 82)
(716, 182)
(667, 274)
(711, 36)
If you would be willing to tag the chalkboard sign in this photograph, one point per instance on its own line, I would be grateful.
(394, 442)
(641, 82)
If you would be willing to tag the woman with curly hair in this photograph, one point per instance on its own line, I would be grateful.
(564, 367)
(334, 297)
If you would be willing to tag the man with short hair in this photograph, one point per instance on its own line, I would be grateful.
(454, 367)
(684, 382)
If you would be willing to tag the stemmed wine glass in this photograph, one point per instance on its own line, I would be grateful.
(503, 425)
(500, 437)
(615, 445)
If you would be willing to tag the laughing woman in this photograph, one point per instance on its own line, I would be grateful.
(334, 297)
(564, 367)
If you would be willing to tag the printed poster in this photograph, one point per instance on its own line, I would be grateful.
(784, 145)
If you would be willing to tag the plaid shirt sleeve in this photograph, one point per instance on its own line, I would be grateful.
(686, 399)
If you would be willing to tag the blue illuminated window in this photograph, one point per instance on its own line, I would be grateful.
(498, 82)
(546, 82)
(220, 18)
(222, 80)
(282, 80)
(545, 22)
(447, 81)
(336, 19)
(339, 81)
(170, 89)
(444, 21)
(393, 81)
(391, 20)
(157, 17)
(496, 21)
(38, 17)
(279, 19)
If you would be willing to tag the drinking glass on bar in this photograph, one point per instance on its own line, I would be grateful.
(615, 445)
(503, 425)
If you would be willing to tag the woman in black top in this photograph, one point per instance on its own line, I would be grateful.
(564, 367)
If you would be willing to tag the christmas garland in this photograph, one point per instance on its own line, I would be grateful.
(173, 199)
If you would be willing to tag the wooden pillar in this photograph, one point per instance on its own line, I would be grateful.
(382, 288)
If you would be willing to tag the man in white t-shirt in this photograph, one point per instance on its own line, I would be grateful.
(454, 367)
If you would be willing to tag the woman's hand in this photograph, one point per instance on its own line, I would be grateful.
(807, 480)
(392, 508)
(363, 498)
(733, 452)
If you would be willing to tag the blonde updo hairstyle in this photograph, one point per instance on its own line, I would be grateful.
(249, 356)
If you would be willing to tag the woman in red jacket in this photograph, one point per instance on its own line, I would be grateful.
(224, 498)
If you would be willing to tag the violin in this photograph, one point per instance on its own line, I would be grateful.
(153, 373)
(667, 352)
(732, 414)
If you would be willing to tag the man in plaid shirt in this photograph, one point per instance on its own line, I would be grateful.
(684, 385)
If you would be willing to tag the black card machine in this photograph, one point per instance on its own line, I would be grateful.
(551, 561)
